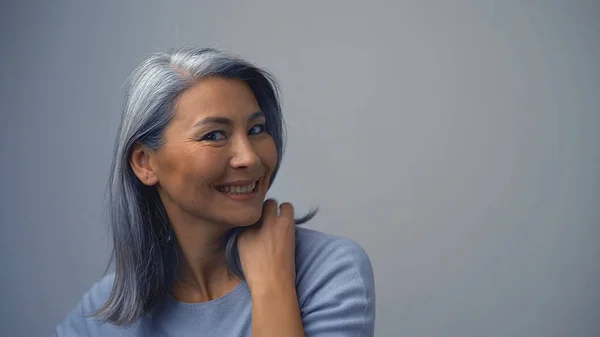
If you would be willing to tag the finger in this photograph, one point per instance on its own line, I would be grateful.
(286, 210)
(269, 209)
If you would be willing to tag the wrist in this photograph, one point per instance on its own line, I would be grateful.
(272, 287)
(275, 309)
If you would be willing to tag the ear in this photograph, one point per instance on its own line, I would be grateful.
(140, 161)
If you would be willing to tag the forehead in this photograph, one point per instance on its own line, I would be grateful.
(216, 97)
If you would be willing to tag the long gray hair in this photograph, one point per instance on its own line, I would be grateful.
(144, 249)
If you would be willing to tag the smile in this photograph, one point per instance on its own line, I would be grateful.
(236, 189)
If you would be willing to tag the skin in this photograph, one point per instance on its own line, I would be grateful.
(267, 256)
(216, 137)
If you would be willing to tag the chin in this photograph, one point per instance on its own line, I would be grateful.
(248, 221)
(245, 219)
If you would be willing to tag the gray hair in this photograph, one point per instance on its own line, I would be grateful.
(144, 249)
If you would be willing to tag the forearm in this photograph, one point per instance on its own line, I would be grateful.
(275, 311)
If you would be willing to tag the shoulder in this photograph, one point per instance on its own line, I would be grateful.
(313, 248)
(80, 321)
(335, 284)
(98, 293)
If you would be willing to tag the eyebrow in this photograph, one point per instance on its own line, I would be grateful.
(225, 120)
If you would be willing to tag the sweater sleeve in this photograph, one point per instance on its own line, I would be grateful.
(336, 290)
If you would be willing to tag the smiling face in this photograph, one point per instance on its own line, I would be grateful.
(217, 159)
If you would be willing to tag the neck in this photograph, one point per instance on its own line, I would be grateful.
(202, 274)
(201, 251)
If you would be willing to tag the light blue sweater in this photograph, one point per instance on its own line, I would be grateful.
(334, 283)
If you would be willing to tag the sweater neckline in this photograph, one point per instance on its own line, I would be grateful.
(223, 300)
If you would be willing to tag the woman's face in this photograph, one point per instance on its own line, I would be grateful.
(217, 159)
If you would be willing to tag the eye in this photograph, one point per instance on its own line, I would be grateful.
(258, 128)
(214, 136)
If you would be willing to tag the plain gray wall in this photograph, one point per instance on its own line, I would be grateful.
(456, 141)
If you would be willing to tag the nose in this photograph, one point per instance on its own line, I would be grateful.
(243, 153)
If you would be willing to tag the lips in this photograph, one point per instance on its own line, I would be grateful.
(238, 188)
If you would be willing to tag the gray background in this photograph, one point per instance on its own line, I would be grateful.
(456, 141)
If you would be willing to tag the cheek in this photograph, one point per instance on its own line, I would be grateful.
(268, 154)
(202, 169)
(190, 171)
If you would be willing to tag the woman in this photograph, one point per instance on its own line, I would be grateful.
(197, 249)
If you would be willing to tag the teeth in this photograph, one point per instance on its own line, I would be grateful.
(238, 189)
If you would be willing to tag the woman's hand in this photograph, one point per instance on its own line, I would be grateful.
(267, 254)
(267, 251)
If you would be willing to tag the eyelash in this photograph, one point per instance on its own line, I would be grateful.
(207, 137)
